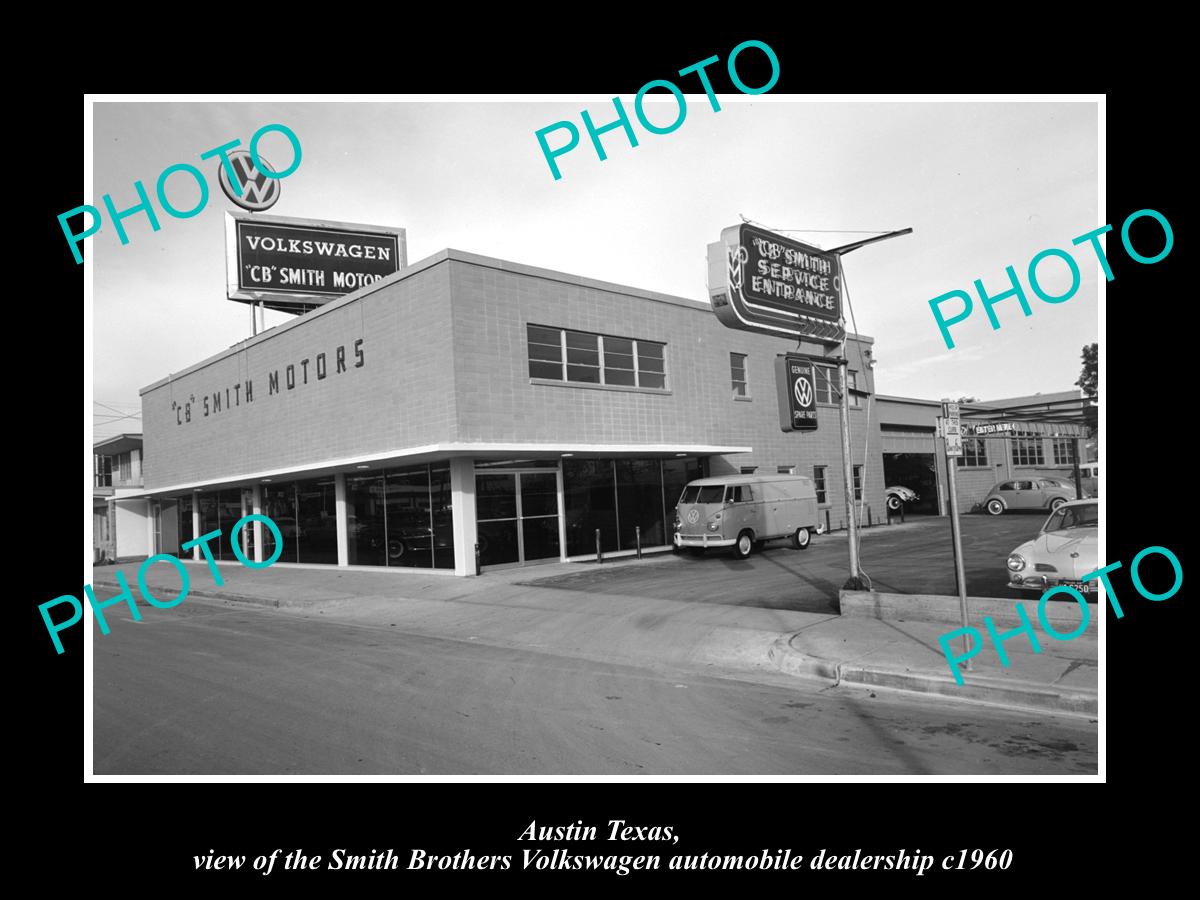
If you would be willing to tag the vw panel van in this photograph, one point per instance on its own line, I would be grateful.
(745, 511)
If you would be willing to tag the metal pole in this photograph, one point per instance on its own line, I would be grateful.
(1076, 446)
(959, 575)
(637, 530)
(854, 583)
(599, 552)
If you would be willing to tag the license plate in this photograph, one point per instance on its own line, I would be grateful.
(1081, 586)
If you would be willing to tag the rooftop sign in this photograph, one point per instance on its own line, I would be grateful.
(295, 265)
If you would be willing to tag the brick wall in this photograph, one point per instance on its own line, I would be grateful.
(401, 396)
(445, 360)
(497, 402)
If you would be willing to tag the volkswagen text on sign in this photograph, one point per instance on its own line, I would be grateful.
(294, 265)
(258, 191)
(797, 393)
(761, 281)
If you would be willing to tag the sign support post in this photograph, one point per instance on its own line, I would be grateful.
(1076, 447)
(854, 583)
(952, 431)
(764, 282)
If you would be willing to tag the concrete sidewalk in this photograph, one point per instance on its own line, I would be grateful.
(907, 656)
(764, 643)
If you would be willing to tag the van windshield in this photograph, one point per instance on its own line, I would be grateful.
(709, 493)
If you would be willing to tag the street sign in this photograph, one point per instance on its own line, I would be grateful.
(763, 282)
(984, 428)
(952, 429)
(797, 393)
(296, 265)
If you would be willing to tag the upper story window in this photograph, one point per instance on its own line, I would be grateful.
(737, 374)
(1064, 452)
(581, 357)
(974, 452)
(1028, 452)
(828, 381)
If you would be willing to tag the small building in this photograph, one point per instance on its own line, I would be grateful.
(119, 511)
(468, 404)
(1035, 436)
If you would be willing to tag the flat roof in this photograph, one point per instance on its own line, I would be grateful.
(464, 257)
(118, 443)
(746, 479)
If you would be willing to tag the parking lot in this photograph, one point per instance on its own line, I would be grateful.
(913, 558)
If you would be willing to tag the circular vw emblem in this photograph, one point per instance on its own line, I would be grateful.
(693, 516)
(258, 191)
(803, 391)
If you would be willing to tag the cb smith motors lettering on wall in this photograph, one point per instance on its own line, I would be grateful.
(126, 596)
(622, 120)
(1026, 626)
(145, 206)
(228, 397)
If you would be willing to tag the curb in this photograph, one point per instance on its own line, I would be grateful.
(1024, 695)
(235, 598)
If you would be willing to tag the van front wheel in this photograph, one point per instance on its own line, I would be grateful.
(743, 545)
(801, 539)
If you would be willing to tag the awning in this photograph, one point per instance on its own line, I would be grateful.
(441, 452)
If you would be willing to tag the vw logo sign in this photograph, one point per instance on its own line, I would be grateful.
(693, 516)
(803, 391)
(258, 191)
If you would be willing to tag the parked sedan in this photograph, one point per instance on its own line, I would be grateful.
(898, 495)
(1063, 552)
(1035, 493)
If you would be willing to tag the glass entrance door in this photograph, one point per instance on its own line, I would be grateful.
(517, 516)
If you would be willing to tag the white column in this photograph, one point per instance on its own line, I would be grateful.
(244, 537)
(343, 525)
(562, 514)
(462, 494)
(150, 527)
(256, 508)
(196, 524)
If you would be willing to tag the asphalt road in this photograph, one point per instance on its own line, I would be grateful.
(915, 558)
(210, 689)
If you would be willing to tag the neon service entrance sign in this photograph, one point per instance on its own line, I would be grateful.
(761, 281)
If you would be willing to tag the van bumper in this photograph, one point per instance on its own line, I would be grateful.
(703, 540)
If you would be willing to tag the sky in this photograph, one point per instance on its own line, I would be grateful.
(983, 185)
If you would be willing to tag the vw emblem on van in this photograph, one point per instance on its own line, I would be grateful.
(258, 191)
(693, 516)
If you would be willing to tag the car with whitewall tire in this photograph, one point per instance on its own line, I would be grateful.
(1029, 493)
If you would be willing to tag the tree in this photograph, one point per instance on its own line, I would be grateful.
(967, 400)
(1089, 383)
(1089, 376)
